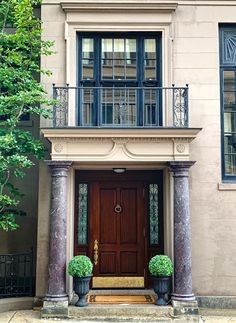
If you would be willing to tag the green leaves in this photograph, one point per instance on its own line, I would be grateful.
(20, 92)
(80, 266)
(160, 265)
(8, 221)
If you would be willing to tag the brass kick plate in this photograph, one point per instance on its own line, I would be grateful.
(118, 282)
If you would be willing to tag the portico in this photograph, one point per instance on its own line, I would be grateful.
(163, 150)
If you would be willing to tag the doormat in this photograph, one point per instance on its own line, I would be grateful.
(121, 299)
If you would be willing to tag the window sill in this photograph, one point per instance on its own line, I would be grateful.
(227, 186)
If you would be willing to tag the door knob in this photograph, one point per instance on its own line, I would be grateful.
(118, 208)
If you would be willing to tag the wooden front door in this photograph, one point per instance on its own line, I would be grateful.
(117, 234)
(119, 225)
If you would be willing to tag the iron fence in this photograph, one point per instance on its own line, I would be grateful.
(16, 275)
(121, 106)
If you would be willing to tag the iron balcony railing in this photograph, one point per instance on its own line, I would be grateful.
(120, 106)
(16, 275)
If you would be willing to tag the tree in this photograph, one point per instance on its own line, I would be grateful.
(20, 93)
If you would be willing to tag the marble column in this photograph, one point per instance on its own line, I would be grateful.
(56, 299)
(182, 290)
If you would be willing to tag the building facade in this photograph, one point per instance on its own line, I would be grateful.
(142, 145)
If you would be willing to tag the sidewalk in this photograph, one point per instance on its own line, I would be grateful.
(33, 316)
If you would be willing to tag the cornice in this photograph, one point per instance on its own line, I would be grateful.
(118, 134)
(170, 5)
(109, 5)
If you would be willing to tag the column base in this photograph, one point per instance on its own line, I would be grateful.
(55, 307)
(183, 297)
(185, 307)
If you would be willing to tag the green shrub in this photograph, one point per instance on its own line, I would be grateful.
(80, 266)
(160, 265)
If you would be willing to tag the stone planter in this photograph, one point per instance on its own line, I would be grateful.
(161, 286)
(81, 288)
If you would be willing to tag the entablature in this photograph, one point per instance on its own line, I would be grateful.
(120, 145)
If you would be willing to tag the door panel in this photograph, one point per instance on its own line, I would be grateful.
(107, 217)
(120, 221)
(128, 216)
(107, 263)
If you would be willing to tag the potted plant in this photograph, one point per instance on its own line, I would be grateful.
(161, 269)
(81, 267)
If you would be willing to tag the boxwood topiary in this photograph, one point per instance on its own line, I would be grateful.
(160, 265)
(80, 266)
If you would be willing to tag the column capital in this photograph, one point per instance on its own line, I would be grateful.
(180, 168)
(59, 167)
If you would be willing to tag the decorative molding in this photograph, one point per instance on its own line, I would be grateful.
(58, 147)
(199, 3)
(123, 145)
(131, 133)
(109, 5)
(120, 140)
(180, 148)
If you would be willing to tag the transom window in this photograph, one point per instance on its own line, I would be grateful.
(118, 77)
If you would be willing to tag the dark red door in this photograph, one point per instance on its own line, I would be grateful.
(117, 234)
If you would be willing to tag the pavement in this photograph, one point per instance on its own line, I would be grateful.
(33, 316)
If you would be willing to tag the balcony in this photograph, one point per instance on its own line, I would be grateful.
(120, 107)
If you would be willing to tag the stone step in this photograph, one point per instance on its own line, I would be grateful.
(122, 313)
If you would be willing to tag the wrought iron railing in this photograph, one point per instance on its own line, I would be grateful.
(16, 275)
(120, 106)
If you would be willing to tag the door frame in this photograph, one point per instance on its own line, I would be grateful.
(145, 177)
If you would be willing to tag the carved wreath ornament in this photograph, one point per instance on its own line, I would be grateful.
(180, 148)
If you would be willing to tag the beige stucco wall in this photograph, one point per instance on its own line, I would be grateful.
(191, 55)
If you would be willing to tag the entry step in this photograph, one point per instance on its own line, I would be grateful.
(122, 313)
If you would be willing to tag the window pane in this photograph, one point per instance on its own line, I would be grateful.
(87, 69)
(150, 69)
(153, 214)
(119, 48)
(229, 80)
(150, 48)
(230, 164)
(230, 122)
(107, 69)
(87, 106)
(119, 106)
(87, 48)
(131, 69)
(150, 104)
(119, 69)
(83, 214)
(107, 48)
(130, 48)
(229, 101)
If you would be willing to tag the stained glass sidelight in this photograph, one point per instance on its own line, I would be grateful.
(153, 214)
(83, 214)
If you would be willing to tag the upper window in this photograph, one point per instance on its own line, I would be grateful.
(118, 77)
(228, 101)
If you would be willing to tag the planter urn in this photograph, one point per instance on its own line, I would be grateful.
(161, 286)
(81, 288)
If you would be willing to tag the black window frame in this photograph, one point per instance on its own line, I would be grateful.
(139, 82)
(226, 64)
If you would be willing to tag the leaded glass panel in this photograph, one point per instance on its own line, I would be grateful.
(83, 214)
(153, 214)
